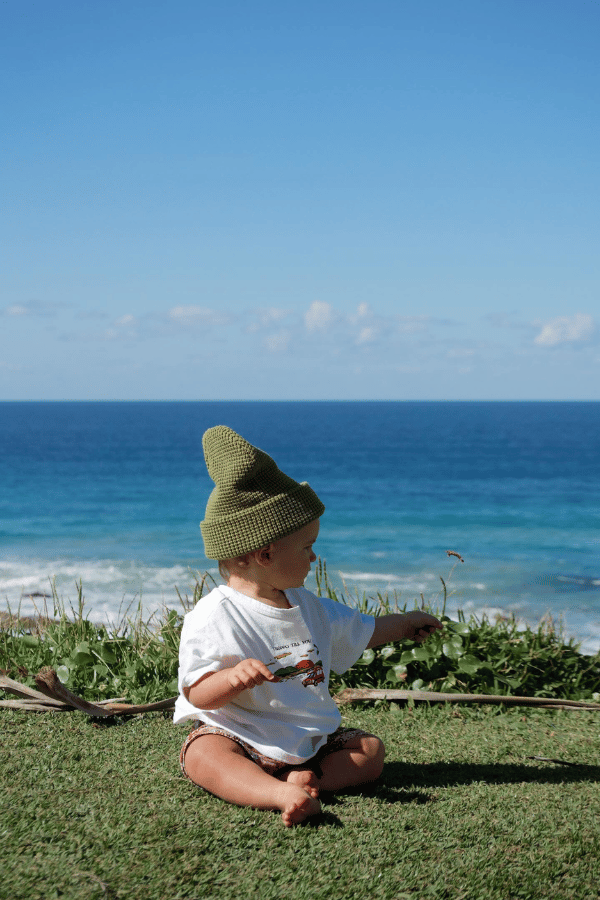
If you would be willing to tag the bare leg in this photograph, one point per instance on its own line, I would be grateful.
(220, 765)
(360, 762)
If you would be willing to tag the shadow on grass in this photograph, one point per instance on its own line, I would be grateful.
(408, 782)
(325, 817)
(405, 777)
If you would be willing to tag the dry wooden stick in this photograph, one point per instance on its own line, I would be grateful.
(131, 709)
(49, 683)
(25, 692)
(35, 705)
(351, 695)
(54, 696)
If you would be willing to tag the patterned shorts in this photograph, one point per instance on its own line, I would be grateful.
(335, 742)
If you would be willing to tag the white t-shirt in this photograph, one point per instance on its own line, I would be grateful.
(288, 720)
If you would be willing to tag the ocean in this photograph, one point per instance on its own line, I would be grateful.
(111, 494)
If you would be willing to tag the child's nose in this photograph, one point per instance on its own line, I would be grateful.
(313, 556)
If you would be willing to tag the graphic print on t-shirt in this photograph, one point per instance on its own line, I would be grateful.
(311, 670)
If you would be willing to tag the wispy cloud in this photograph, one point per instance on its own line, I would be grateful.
(576, 329)
(277, 342)
(412, 324)
(319, 316)
(265, 317)
(367, 335)
(31, 308)
(124, 327)
(365, 328)
(125, 321)
(197, 315)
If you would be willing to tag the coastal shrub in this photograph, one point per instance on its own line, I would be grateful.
(481, 657)
(137, 659)
(474, 656)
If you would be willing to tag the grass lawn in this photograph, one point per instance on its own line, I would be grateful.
(97, 811)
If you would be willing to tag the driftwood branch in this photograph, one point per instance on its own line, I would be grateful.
(353, 695)
(53, 696)
(129, 709)
(34, 705)
(50, 684)
(24, 691)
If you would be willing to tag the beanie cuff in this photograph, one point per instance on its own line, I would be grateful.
(259, 525)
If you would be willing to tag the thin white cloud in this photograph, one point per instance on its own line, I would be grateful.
(126, 320)
(412, 324)
(189, 316)
(318, 316)
(271, 314)
(576, 329)
(368, 324)
(123, 327)
(367, 335)
(264, 317)
(32, 308)
(364, 327)
(190, 313)
(278, 342)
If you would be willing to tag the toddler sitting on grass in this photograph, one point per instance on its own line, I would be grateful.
(256, 653)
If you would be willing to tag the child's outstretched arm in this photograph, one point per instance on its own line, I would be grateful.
(412, 626)
(221, 687)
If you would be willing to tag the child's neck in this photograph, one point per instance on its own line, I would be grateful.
(264, 593)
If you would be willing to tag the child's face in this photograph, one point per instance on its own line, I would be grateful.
(291, 557)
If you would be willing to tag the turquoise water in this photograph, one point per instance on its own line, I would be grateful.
(112, 494)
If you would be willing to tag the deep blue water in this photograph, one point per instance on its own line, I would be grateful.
(112, 494)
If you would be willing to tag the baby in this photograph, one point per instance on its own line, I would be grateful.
(256, 654)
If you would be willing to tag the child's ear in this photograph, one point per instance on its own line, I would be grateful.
(263, 556)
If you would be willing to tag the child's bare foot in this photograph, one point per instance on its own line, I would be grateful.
(297, 806)
(304, 778)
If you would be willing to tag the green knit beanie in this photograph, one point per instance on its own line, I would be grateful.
(253, 502)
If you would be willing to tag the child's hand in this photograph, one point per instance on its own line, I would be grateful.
(411, 626)
(423, 624)
(248, 674)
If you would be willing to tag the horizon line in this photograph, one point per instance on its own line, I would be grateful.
(296, 400)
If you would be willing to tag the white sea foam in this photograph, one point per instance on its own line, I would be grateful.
(591, 643)
(109, 586)
(377, 581)
(114, 587)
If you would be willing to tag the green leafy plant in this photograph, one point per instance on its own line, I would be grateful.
(138, 658)
(471, 656)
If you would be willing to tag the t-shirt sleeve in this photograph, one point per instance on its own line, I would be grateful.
(200, 654)
(351, 632)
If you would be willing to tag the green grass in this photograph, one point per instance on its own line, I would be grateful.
(89, 810)
(96, 810)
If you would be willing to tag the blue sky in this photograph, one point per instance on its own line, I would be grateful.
(275, 200)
